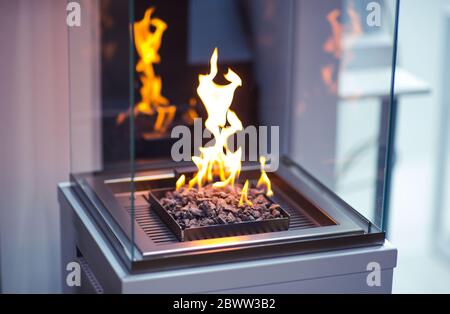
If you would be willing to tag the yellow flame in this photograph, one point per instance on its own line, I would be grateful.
(264, 179)
(218, 160)
(191, 114)
(222, 123)
(180, 182)
(147, 45)
(244, 197)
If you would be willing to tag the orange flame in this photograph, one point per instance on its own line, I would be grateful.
(191, 114)
(222, 122)
(244, 197)
(147, 45)
(333, 44)
(180, 182)
(355, 21)
(264, 179)
(327, 73)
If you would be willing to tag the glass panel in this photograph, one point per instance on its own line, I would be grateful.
(130, 112)
(85, 98)
(100, 102)
(341, 97)
(442, 186)
(443, 197)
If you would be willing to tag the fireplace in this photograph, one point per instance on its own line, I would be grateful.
(207, 132)
(310, 227)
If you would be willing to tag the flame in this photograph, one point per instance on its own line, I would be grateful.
(180, 182)
(244, 197)
(355, 21)
(191, 114)
(264, 179)
(327, 73)
(333, 44)
(218, 159)
(147, 45)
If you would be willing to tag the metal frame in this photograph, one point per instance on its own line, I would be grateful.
(336, 271)
(351, 230)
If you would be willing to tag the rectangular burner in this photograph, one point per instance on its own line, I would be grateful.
(221, 227)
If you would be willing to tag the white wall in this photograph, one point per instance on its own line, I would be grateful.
(34, 143)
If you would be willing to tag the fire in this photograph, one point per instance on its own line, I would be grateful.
(327, 73)
(217, 160)
(147, 45)
(244, 198)
(355, 21)
(191, 114)
(333, 44)
(180, 182)
(264, 179)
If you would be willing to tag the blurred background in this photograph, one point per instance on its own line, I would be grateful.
(420, 207)
(35, 146)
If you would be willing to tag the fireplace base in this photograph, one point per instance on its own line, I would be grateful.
(334, 271)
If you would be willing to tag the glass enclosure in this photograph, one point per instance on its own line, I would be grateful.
(341, 93)
(442, 165)
(225, 117)
(442, 196)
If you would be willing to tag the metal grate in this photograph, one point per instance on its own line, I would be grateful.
(97, 288)
(299, 220)
(149, 221)
(152, 225)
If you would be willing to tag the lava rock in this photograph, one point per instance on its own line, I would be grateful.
(192, 207)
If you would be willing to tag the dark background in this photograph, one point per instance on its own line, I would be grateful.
(179, 77)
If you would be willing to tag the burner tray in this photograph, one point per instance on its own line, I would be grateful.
(216, 231)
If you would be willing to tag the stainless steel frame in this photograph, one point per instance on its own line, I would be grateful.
(335, 271)
(350, 230)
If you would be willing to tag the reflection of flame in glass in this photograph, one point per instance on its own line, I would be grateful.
(109, 46)
(191, 114)
(355, 21)
(147, 44)
(333, 44)
(327, 72)
(218, 159)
